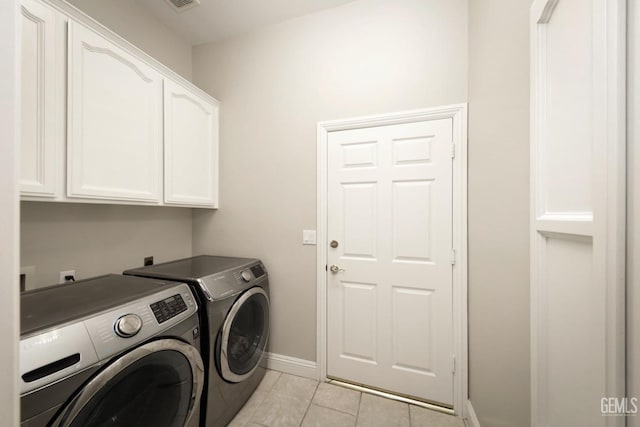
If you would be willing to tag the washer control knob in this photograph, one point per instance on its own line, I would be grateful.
(246, 276)
(128, 325)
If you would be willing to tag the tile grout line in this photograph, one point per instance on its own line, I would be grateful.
(358, 411)
(266, 392)
(309, 405)
(337, 410)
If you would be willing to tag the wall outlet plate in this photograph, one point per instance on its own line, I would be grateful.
(66, 273)
(29, 273)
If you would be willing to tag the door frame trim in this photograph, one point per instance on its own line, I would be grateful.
(458, 114)
(606, 226)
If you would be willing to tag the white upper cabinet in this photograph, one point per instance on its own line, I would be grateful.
(118, 123)
(43, 31)
(190, 147)
(114, 139)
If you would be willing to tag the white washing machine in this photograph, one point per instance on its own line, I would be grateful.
(110, 351)
(234, 306)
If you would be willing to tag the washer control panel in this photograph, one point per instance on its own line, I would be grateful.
(122, 327)
(70, 348)
(168, 308)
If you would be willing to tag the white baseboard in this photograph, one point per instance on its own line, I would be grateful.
(291, 365)
(471, 419)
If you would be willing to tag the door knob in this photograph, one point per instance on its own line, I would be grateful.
(335, 269)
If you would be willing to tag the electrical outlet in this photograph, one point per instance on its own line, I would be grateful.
(65, 274)
(29, 275)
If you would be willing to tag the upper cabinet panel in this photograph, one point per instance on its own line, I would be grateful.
(114, 141)
(190, 148)
(42, 112)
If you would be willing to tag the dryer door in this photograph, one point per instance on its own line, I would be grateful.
(244, 335)
(156, 384)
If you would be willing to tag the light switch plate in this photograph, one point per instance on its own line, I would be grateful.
(308, 237)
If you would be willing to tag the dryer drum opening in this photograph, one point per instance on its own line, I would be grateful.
(244, 335)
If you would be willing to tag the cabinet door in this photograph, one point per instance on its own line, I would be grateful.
(42, 98)
(190, 148)
(114, 142)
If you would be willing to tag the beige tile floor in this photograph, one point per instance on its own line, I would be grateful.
(284, 400)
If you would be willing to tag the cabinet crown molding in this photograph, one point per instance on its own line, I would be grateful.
(79, 16)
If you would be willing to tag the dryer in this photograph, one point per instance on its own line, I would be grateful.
(112, 350)
(234, 300)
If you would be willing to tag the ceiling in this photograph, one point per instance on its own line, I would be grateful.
(214, 20)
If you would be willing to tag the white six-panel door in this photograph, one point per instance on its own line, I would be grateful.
(389, 304)
(577, 219)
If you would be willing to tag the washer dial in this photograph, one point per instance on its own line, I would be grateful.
(128, 325)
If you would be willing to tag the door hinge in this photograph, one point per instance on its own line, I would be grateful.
(453, 256)
(453, 151)
(453, 370)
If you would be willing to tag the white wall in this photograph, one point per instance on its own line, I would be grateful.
(633, 208)
(137, 25)
(275, 84)
(99, 239)
(498, 209)
(9, 212)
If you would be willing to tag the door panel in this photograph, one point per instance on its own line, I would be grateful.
(115, 121)
(42, 102)
(412, 307)
(190, 148)
(360, 225)
(390, 302)
(567, 157)
(359, 321)
(412, 207)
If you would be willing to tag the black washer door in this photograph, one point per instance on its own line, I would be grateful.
(244, 335)
(155, 388)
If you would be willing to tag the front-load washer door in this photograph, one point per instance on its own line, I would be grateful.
(244, 335)
(157, 384)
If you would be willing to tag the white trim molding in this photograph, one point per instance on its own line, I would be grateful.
(290, 365)
(77, 15)
(587, 233)
(10, 108)
(471, 419)
(458, 114)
